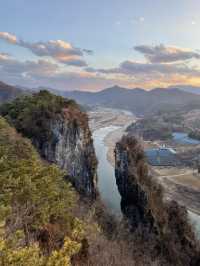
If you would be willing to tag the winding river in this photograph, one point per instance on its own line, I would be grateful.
(106, 174)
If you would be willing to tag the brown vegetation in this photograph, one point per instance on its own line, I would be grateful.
(171, 229)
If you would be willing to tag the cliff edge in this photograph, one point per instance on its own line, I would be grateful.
(143, 204)
(60, 132)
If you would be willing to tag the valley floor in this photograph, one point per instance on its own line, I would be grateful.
(181, 183)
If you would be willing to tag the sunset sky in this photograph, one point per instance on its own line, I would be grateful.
(91, 45)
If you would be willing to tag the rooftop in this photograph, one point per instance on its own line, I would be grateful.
(162, 156)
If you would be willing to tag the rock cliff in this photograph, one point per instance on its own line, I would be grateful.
(144, 205)
(60, 132)
(71, 148)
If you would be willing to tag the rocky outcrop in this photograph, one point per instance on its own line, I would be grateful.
(60, 132)
(71, 147)
(144, 205)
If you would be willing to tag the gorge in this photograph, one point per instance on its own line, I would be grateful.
(145, 208)
(61, 134)
(145, 205)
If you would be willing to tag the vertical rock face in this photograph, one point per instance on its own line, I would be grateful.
(134, 201)
(144, 205)
(60, 131)
(71, 147)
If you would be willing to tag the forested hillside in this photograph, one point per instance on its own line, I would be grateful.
(36, 206)
(60, 132)
(43, 220)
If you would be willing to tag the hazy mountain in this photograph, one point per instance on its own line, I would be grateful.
(8, 92)
(188, 88)
(138, 100)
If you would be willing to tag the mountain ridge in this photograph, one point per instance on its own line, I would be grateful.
(137, 100)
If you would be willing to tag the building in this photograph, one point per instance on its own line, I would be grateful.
(162, 156)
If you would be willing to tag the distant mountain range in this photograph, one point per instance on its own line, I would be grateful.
(187, 88)
(139, 101)
(8, 92)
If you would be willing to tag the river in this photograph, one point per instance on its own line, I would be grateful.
(106, 175)
(183, 138)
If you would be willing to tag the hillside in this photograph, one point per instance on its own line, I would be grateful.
(35, 203)
(60, 132)
(160, 219)
(43, 220)
(8, 92)
(139, 101)
(190, 89)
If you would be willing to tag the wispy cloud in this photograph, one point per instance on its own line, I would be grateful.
(44, 73)
(8, 37)
(166, 54)
(138, 68)
(59, 50)
(11, 66)
(161, 66)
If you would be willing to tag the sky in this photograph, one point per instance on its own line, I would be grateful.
(92, 44)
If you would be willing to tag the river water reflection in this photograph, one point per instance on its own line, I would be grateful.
(106, 176)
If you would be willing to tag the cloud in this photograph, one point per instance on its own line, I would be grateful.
(88, 51)
(138, 68)
(160, 61)
(72, 61)
(11, 66)
(4, 56)
(166, 54)
(131, 67)
(162, 66)
(8, 37)
(128, 74)
(149, 75)
(61, 51)
(44, 73)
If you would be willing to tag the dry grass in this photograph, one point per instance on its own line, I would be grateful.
(188, 180)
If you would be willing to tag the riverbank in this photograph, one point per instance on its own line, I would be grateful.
(108, 125)
(105, 117)
(106, 175)
(180, 184)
